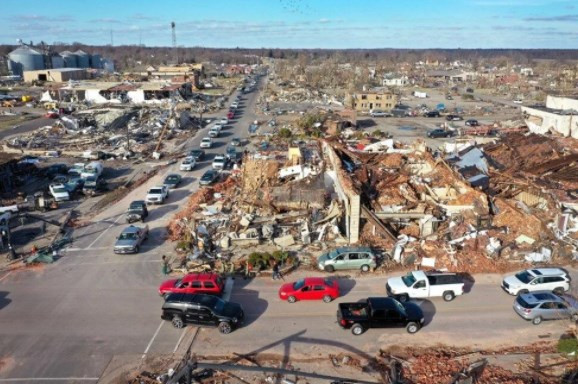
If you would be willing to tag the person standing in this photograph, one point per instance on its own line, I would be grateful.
(165, 265)
(276, 273)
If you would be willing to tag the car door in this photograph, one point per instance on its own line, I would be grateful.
(195, 287)
(561, 311)
(548, 310)
(353, 260)
(380, 319)
(536, 284)
(192, 313)
(340, 261)
(205, 316)
(419, 289)
(318, 292)
(305, 293)
(209, 288)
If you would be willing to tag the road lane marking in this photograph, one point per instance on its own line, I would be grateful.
(103, 232)
(180, 339)
(25, 380)
(153, 339)
(6, 275)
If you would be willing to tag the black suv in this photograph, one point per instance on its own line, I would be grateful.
(432, 114)
(202, 310)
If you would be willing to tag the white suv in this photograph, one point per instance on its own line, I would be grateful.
(538, 279)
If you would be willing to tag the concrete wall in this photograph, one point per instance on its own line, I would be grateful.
(541, 122)
(561, 103)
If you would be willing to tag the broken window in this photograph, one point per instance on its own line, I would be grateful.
(363, 97)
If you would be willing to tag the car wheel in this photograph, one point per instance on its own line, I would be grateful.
(291, 299)
(412, 327)
(449, 296)
(327, 299)
(558, 291)
(177, 322)
(522, 292)
(365, 268)
(225, 328)
(136, 249)
(357, 329)
(329, 268)
(536, 320)
(402, 298)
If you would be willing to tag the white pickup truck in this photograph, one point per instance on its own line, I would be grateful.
(157, 195)
(420, 284)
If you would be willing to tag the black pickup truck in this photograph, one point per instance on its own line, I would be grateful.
(380, 312)
(202, 310)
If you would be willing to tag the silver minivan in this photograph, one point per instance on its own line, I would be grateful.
(545, 305)
(348, 258)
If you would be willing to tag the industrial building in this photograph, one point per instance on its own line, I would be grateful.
(57, 75)
(27, 58)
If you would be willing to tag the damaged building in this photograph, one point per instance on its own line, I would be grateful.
(560, 116)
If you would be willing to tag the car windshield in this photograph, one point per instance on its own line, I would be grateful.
(299, 284)
(206, 140)
(127, 236)
(524, 277)
(333, 254)
(172, 178)
(156, 191)
(408, 279)
(400, 308)
(178, 282)
(59, 190)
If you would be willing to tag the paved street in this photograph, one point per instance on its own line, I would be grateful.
(63, 323)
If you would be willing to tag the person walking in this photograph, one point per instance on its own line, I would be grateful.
(165, 265)
(276, 273)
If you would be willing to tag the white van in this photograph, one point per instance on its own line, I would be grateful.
(92, 169)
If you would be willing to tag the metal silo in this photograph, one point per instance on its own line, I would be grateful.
(95, 61)
(70, 59)
(25, 59)
(57, 61)
(83, 59)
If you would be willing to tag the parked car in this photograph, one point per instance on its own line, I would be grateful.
(538, 279)
(236, 142)
(207, 142)
(214, 132)
(172, 181)
(206, 283)
(472, 123)
(93, 185)
(310, 288)
(59, 192)
(518, 101)
(197, 154)
(202, 310)
(234, 105)
(231, 153)
(230, 115)
(438, 132)
(380, 312)
(348, 258)
(379, 113)
(157, 195)
(432, 114)
(219, 162)
(209, 177)
(224, 121)
(131, 238)
(137, 211)
(544, 305)
(454, 118)
(419, 284)
(52, 115)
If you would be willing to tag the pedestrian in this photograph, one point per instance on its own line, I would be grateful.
(165, 265)
(276, 273)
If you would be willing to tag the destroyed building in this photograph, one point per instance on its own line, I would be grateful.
(560, 116)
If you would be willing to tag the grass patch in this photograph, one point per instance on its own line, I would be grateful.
(567, 345)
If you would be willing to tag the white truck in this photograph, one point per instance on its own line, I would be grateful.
(93, 168)
(420, 284)
(157, 195)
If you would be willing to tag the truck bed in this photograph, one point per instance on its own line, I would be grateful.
(351, 311)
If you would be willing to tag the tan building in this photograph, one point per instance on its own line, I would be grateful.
(366, 101)
(56, 75)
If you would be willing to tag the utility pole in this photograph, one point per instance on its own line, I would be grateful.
(111, 39)
(174, 33)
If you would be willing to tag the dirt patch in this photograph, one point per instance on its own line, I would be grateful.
(6, 364)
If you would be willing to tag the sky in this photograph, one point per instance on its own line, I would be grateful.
(297, 23)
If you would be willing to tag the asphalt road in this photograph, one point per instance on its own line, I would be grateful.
(26, 127)
(63, 323)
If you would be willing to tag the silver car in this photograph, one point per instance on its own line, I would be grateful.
(130, 239)
(544, 305)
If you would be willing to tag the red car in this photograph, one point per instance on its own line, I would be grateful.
(208, 283)
(230, 115)
(310, 288)
(52, 115)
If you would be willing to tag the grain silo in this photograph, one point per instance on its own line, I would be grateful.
(83, 59)
(56, 61)
(70, 59)
(96, 61)
(23, 59)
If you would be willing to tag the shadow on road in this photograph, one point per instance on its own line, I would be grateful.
(469, 281)
(346, 284)
(4, 300)
(429, 311)
(186, 181)
(159, 211)
(178, 195)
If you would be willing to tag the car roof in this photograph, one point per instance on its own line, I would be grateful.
(547, 271)
(137, 202)
(353, 249)
(314, 280)
(540, 296)
(131, 229)
(200, 277)
(382, 302)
